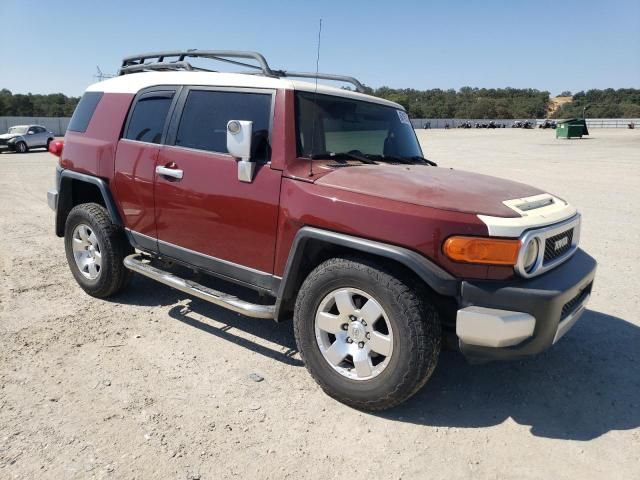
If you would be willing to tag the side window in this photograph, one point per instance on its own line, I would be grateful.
(84, 111)
(148, 118)
(203, 124)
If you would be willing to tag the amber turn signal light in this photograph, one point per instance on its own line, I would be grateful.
(486, 251)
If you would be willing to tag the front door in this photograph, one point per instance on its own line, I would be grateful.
(36, 137)
(204, 215)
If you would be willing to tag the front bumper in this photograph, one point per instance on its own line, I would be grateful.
(499, 321)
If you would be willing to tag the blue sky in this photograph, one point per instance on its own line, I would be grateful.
(550, 45)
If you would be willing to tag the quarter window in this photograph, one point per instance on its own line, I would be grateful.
(203, 124)
(84, 111)
(148, 118)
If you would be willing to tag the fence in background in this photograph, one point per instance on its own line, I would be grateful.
(58, 125)
(454, 122)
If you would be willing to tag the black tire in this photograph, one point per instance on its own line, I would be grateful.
(21, 147)
(114, 247)
(413, 318)
(49, 140)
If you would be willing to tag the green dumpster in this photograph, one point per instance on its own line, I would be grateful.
(572, 128)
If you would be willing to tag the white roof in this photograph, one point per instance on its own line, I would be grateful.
(134, 82)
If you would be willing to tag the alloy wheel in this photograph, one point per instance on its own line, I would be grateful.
(354, 334)
(86, 251)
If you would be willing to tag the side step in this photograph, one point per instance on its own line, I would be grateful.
(135, 263)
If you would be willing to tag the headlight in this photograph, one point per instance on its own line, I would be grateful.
(12, 140)
(530, 254)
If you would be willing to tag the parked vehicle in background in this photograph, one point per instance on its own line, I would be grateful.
(313, 203)
(548, 124)
(21, 138)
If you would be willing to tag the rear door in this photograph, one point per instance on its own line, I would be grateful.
(207, 217)
(135, 163)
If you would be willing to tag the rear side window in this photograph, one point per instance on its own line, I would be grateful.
(149, 116)
(84, 111)
(203, 124)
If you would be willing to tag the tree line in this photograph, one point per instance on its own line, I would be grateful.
(30, 105)
(466, 103)
(609, 103)
(469, 102)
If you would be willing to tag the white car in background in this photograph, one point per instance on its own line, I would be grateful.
(23, 137)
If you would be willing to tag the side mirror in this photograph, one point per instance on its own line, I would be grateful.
(30, 132)
(239, 145)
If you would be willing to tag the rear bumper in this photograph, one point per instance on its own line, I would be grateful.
(499, 321)
(52, 199)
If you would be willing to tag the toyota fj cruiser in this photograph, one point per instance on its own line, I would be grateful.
(314, 203)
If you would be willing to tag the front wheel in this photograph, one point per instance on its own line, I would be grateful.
(96, 249)
(367, 333)
(21, 147)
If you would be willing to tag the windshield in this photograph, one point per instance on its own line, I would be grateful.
(330, 124)
(18, 130)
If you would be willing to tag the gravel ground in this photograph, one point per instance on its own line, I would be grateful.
(154, 384)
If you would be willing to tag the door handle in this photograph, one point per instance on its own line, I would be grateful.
(170, 172)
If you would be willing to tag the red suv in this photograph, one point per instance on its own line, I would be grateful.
(314, 203)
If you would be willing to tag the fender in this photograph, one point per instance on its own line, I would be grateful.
(438, 279)
(64, 182)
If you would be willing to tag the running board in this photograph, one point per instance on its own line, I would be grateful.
(136, 264)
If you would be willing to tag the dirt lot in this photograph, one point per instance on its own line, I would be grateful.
(156, 385)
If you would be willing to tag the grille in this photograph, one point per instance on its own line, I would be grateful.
(571, 305)
(550, 250)
(3, 142)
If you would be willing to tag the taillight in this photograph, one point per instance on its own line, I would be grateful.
(56, 147)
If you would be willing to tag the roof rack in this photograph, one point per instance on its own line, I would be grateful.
(175, 60)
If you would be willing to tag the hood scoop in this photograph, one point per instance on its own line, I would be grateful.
(536, 204)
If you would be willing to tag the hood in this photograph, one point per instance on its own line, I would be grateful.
(434, 187)
(9, 136)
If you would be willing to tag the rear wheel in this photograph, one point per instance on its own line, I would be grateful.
(367, 334)
(96, 249)
(21, 147)
(49, 140)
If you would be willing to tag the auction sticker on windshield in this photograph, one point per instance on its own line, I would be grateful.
(404, 118)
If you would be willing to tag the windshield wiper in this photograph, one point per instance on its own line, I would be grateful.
(342, 156)
(407, 160)
(389, 158)
(425, 160)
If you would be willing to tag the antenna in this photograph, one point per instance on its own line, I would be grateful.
(315, 94)
(100, 75)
